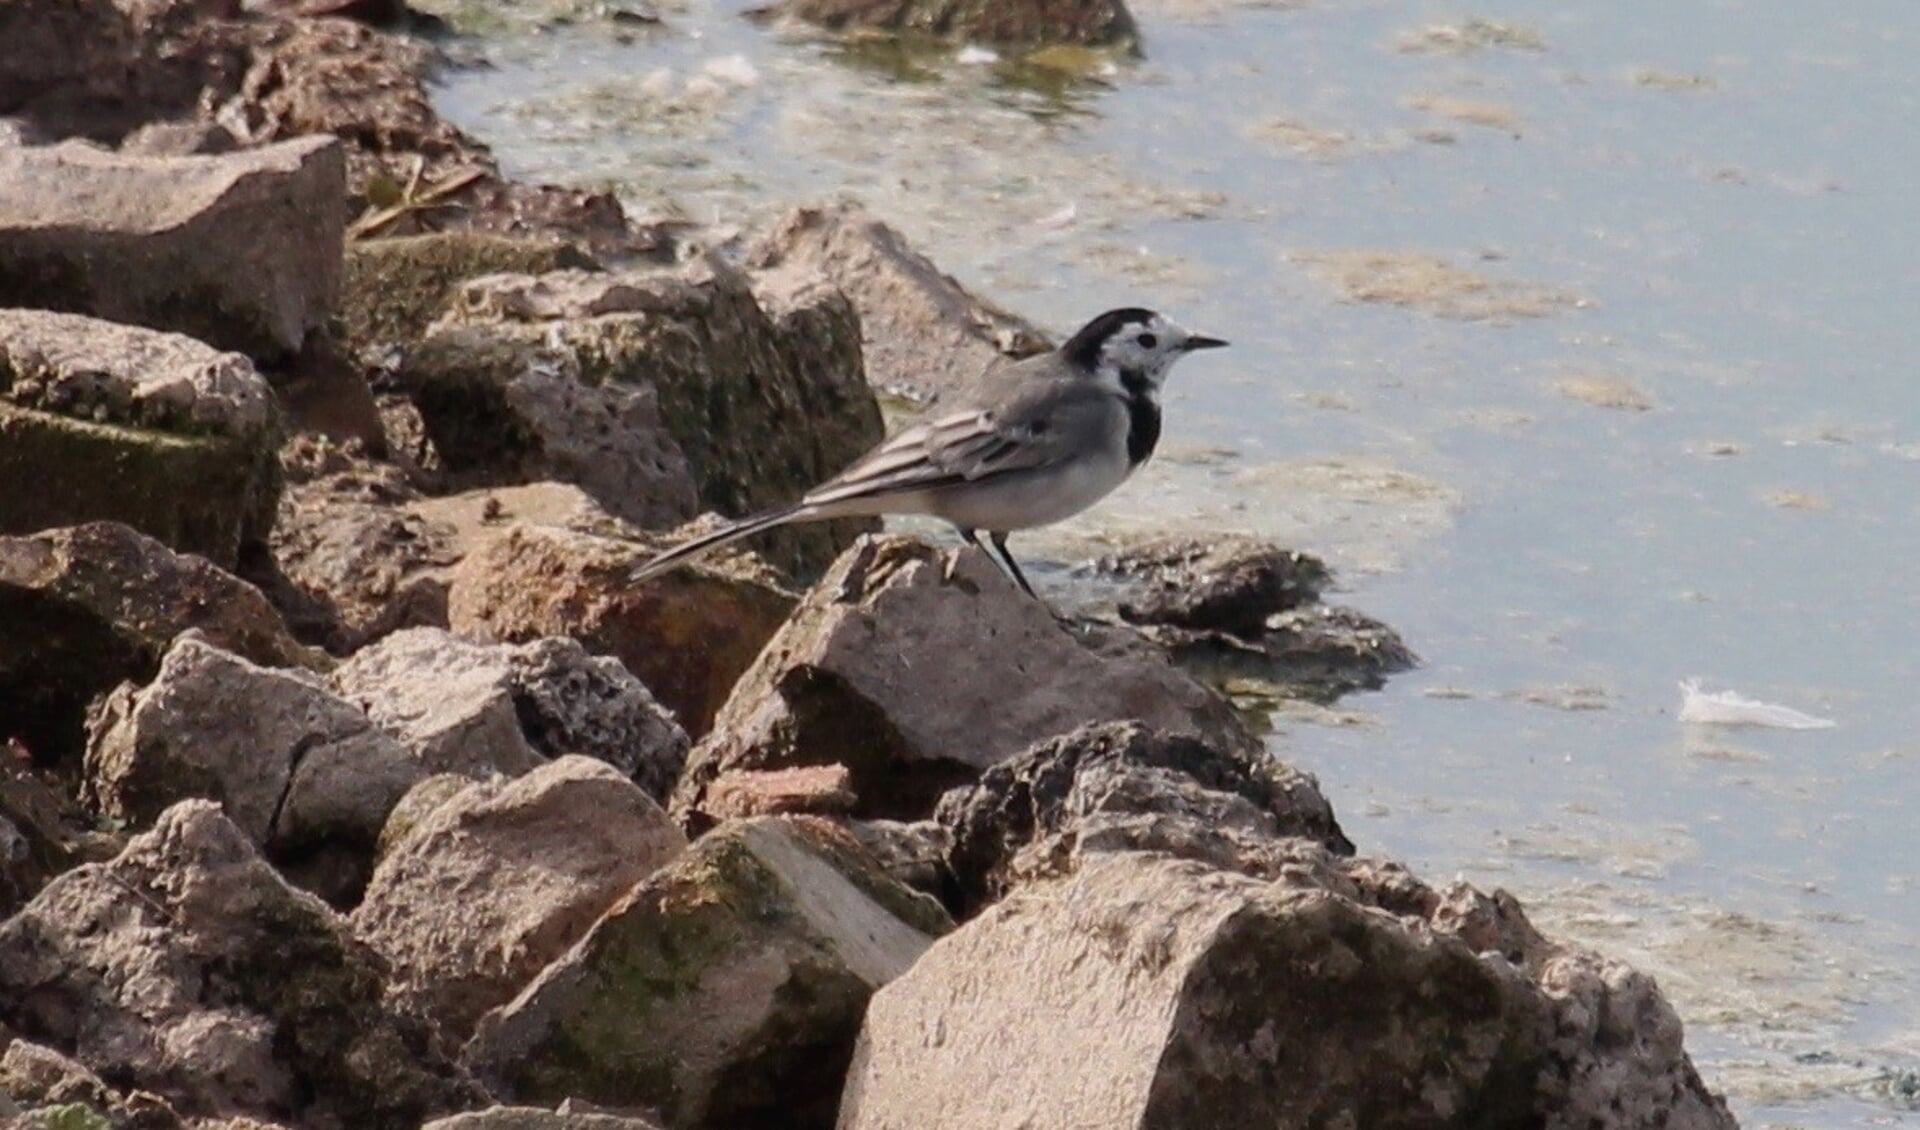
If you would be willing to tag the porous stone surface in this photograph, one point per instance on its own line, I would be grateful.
(1123, 785)
(762, 400)
(687, 635)
(300, 771)
(1160, 992)
(847, 681)
(90, 606)
(496, 881)
(121, 423)
(187, 967)
(725, 989)
(476, 707)
(922, 333)
(175, 242)
(502, 409)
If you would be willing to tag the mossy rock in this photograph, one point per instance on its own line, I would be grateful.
(725, 990)
(202, 494)
(395, 288)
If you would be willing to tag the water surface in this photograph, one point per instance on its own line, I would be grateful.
(1677, 435)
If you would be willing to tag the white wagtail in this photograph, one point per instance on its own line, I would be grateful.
(1030, 443)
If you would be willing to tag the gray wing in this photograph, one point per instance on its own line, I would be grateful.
(1016, 421)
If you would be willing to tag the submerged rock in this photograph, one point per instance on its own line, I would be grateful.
(90, 606)
(175, 243)
(725, 990)
(187, 967)
(119, 423)
(762, 396)
(1247, 615)
(1022, 22)
(500, 879)
(851, 678)
(1158, 992)
(922, 333)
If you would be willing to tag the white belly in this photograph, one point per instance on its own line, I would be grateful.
(1019, 502)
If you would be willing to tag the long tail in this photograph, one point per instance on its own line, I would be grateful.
(681, 554)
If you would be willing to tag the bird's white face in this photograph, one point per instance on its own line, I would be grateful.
(1150, 347)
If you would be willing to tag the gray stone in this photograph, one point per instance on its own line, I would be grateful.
(475, 708)
(763, 401)
(94, 605)
(1155, 992)
(187, 967)
(446, 697)
(295, 768)
(176, 243)
(126, 424)
(500, 879)
(726, 989)
(846, 681)
(922, 333)
(1122, 785)
(501, 410)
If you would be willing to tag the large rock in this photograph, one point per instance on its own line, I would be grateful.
(362, 559)
(176, 243)
(922, 333)
(304, 774)
(726, 989)
(1123, 785)
(1020, 23)
(472, 707)
(763, 396)
(1156, 992)
(119, 423)
(500, 879)
(917, 671)
(395, 288)
(187, 967)
(501, 409)
(91, 606)
(688, 635)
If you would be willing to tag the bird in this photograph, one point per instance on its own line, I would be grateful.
(1028, 443)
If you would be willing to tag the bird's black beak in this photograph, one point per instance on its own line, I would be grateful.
(1200, 341)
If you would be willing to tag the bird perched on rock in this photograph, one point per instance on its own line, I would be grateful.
(1030, 443)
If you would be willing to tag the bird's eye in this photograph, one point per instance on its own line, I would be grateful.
(1147, 341)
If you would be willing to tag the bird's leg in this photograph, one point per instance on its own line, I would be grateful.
(966, 535)
(1013, 567)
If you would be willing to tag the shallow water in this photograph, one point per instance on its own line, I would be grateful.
(1665, 425)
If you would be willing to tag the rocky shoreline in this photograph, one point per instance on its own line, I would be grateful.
(348, 784)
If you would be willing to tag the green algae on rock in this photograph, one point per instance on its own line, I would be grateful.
(726, 989)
